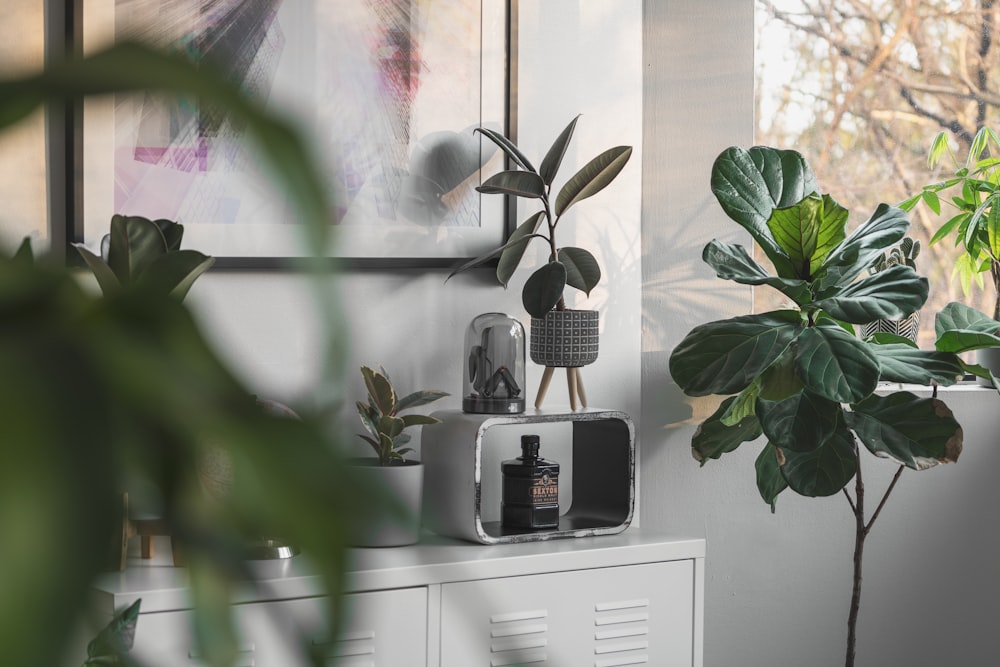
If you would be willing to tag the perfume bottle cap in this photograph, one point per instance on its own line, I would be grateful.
(529, 446)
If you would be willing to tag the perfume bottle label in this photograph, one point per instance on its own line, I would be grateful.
(545, 490)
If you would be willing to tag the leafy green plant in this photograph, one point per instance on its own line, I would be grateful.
(571, 266)
(380, 415)
(905, 253)
(800, 377)
(975, 191)
(147, 253)
(115, 640)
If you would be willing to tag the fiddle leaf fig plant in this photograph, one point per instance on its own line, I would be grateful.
(572, 266)
(146, 253)
(381, 419)
(801, 377)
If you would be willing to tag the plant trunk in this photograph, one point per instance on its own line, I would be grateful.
(995, 274)
(860, 532)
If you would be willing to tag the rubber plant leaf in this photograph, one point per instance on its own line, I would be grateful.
(390, 426)
(824, 470)
(733, 262)
(808, 231)
(135, 243)
(172, 231)
(713, 438)
(582, 270)
(554, 157)
(906, 364)
(517, 183)
(419, 420)
(913, 431)
(507, 146)
(800, 423)
(750, 184)
(887, 295)
(961, 328)
(770, 481)
(593, 177)
(418, 398)
(724, 357)
(543, 289)
(835, 364)
(106, 278)
(380, 391)
(174, 273)
(496, 252)
(886, 227)
(513, 252)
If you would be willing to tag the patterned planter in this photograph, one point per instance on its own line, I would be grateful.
(564, 338)
(906, 327)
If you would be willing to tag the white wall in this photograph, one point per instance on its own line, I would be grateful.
(778, 586)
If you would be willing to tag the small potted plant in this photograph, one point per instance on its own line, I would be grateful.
(560, 337)
(402, 478)
(905, 254)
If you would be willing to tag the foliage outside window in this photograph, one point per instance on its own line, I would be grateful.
(863, 86)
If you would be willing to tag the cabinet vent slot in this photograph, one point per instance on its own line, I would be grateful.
(518, 658)
(519, 616)
(350, 644)
(621, 661)
(244, 656)
(519, 638)
(522, 629)
(622, 604)
(613, 619)
(622, 633)
(518, 643)
(618, 633)
(622, 647)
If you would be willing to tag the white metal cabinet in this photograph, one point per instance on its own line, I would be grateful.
(383, 629)
(631, 615)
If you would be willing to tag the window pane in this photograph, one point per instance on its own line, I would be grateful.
(22, 148)
(861, 87)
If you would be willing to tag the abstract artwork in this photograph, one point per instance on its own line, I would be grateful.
(388, 91)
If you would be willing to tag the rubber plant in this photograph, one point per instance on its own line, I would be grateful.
(800, 377)
(568, 265)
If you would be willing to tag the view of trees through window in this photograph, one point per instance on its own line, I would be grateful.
(861, 88)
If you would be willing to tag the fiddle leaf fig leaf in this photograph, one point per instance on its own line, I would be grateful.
(582, 270)
(824, 470)
(507, 146)
(517, 183)
(713, 438)
(916, 432)
(906, 364)
(733, 262)
(770, 481)
(513, 250)
(724, 357)
(743, 406)
(835, 364)
(800, 423)
(808, 231)
(750, 184)
(886, 226)
(553, 158)
(543, 289)
(593, 177)
(960, 328)
(887, 295)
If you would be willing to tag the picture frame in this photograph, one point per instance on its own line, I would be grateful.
(392, 125)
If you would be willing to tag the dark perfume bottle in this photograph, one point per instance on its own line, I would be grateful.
(530, 489)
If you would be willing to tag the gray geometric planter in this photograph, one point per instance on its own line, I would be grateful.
(906, 327)
(565, 338)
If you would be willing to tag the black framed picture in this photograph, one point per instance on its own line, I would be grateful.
(388, 92)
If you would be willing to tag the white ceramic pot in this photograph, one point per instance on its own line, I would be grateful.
(988, 358)
(403, 486)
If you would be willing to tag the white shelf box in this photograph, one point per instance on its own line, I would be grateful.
(595, 449)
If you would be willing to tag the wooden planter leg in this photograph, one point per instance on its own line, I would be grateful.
(571, 381)
(543, 386)
(579, 388)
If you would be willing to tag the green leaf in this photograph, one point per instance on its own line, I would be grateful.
(380, 391)
(808, 231)
(713, 438)
(743, 406)
(419, 420)
(835, 364)
(800, 423)
(961, 328)
(594, 177)
(582, 270)
(117, 637)
(418, 398)
(173, 273)
(172, 232)
(507, 146)
(750, 184)
(543, 289)
(770, 481)
(887, 295)
(135, 243)
(723, 357)
(514, 249)
(517, 183)
(733, 262)
(496, 252)
(886, 226)
(106, 278)
(825, 470)
(390, 425)
(916, 432)
(554, 157)
(780, 380)
(907, 364)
